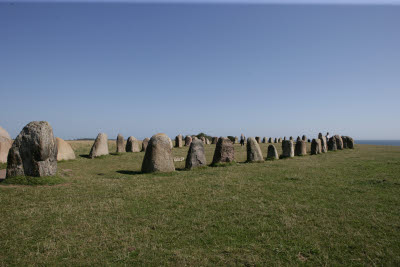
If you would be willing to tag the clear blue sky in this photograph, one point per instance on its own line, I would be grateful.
(223, 69)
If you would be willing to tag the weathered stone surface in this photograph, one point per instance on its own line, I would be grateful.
(304, 138)
(65, 151)
(298, 139)
(339, 142)
(188, 140)
(224, 151)
(158, 156)
(5, 145)
(279, 140)
(284, 138)
(100, 146)
(178, 159)
(120, 144)
(170, 142)
(132, 145)
(291, 138)
(308, 140)
(301, 148)
(196, 156)
(34, 151)
(208, 141)
(145, 142)
(203, 139)
(332, 144)
(214, 140)
(350, 142)
(264, 140)
(253, 150)
(272, 152)
(316, 147)
(258, 139)
(344, 139)
(276, 140)
(236, 140)
(178, 141)
(324, 145)
(287, 149)
(270, 140)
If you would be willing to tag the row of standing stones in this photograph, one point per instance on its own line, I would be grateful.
(35, 151)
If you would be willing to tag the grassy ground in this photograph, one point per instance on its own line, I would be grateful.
(339, 208)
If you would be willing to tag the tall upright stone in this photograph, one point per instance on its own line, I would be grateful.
(324, 144)
(265, 140)
(178, 141)
(301, 148)
(132, 145)
(224, 151)
(158, 156)
(284, 138)
(332, 146)
(203, 139)
(272, 153)
(304, 138)
(291, 138)
(258, 139)
(195, 156)
(120, 144)
(100, 146)
(287, 149)
(339, 142)
(316, 147)
(279, 140)
(188, 140)
(145, 142)
(236, 140)
(270, 140)
(254, 153)
(276, 140)
(344, 139)
(34, 152)
(350, 142)
(5, 145)
(64, 150)
(298, 139)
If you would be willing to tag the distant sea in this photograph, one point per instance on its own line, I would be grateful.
(379, 142)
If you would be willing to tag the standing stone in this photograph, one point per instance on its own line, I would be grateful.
(304, 138)
(258, 139)
(264, 140)
(279, 140)
(301, 148)
(308, 141)
(65, 151)
(287, 149)
(316, 147)
(324, 145)
(5, 145)
(291, 138)
(178, 141)
(158, 156)
(284, 138)
(214, 140)
(203, 139)
(339, 142)
(224, 151)
(188, 140)
(120, 144)
(132, 145)
(344, 139)
(236, 140)
(145, 142)
(100, 146)
(196, 156)
(276, 140)
(254, 153)
(332, 144)
(298, 139)
(350, 142)
(34, 152)
(270, 140)
(272, 152)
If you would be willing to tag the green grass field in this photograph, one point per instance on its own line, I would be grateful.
(338, 208)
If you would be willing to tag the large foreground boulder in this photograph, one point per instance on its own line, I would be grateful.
(178, 141)
(196, 156)
(287, 149)
(100, 146)
(272, 152)
(316, 147)
(224, 151)
(145, 142)
(254, 153)
(120, 144)
(65, 151)
(132, 145)
(301, 148)
(158, 156)
(34, 151)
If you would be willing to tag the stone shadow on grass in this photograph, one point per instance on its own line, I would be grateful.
(84, 156)
(130, 172)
